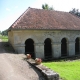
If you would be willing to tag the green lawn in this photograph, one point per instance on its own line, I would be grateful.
(68, 70)
(4, 38)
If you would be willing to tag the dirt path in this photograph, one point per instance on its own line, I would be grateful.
(15, 67)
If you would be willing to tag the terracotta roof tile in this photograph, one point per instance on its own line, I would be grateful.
(46, 19)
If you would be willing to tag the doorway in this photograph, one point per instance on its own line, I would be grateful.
(77, 46)
(29, 47)
(48, 48)
(63, 47)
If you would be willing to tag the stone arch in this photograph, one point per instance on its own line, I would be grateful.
(64, 47)
(29, 47)
(77, 45)
(66, 37)
(33, 38)
(51, 38)
(47, 48)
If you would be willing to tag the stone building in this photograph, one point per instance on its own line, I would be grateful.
(46, 34)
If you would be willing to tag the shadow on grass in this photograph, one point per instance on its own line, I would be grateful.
(71, 58)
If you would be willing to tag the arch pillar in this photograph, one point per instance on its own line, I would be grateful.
(56, 49)
(39, 50)
(71, 48)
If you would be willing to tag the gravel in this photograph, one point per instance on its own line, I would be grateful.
(15, 67)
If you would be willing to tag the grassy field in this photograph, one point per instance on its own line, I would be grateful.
(68, 70)
(4, 38)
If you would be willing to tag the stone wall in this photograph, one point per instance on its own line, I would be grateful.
(39, 36)
(11, 37)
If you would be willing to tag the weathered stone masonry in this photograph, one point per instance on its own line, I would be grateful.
(46, 34)
(59, 39)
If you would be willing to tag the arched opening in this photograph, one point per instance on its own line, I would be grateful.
(77, 46)
(47, 49)
(29, 47)
(64, 47)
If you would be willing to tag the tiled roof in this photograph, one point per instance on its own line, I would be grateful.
(46, 19)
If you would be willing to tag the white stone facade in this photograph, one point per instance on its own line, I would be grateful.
(18, 37)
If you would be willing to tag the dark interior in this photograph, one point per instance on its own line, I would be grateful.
(47, 48)
(29, 47)
(63, 47)
(77, 46)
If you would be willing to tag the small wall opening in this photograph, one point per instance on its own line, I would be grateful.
(47, 48)
(63, 47)
(77, 46)
(29, 47)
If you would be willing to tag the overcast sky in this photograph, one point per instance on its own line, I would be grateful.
(10, 10)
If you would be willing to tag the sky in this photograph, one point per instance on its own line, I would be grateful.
(10, 10)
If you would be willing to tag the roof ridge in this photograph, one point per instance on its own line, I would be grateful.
(15, 23)
(34, 18)
(48, 10)
(74, 15)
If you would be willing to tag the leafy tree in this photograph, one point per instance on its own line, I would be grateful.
(46, 6)
(5, 32)
(0, 32)
(75, 12)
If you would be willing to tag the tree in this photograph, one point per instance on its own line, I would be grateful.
(75, 12)
(0, 32)
(5, 32)
(46, 6)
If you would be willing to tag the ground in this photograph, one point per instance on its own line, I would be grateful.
(15, 67)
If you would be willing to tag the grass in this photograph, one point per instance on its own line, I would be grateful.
(8, 48)
(68, 70)
(4, 38)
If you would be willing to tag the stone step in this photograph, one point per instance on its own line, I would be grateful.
(48, 73)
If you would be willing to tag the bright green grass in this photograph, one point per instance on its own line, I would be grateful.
(4, 38)
(68, 70)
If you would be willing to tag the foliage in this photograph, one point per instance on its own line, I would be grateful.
(5, 32)
(75, 12)
(46, 6)
(0, 32)
(68, 70)
(4, 38)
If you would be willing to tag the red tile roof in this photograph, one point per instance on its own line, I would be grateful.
(46, 19)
